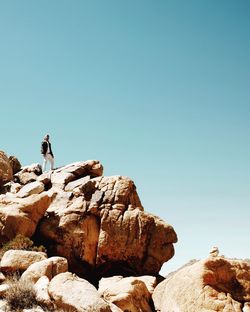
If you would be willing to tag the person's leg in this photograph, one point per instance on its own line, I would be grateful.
(51, 160)
(52, 163)
(44, 163)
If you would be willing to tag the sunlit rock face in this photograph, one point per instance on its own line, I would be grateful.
(213, 284)
(6, 171)
(96, 222)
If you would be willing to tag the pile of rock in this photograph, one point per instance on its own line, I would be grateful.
(8, 167)
(104, 251)
(213, 284)
(96, 222)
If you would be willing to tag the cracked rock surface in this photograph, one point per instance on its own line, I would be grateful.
(96, 222)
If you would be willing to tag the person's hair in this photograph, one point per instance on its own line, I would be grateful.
(46, 136)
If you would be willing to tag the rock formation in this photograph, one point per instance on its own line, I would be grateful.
(6, 172)
(15, 164)
(95, 230)
(19, 260)
(129, 293)
(71, 293)
(97, 223)
(213, 284)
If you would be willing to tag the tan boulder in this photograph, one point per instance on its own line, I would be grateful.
(28, 174)
(139, 239)
(36, 168)
(15, 187)
(61, 178)
(71, 293)
(31, 188)
(149, 281)
(6, 172)
(213, 284)
(77, 183)
(45, 178)
(25, 177)
(71, 172)
(21, 215)
(96, 222)
(103, 223)
(49, 267)
(15, 164)
(20, 260)
(42, 295)
(129, 293)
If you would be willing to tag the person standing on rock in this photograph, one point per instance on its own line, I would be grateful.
(47, 153)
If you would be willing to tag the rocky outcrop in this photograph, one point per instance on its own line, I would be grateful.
(96, 222)
(49, 267)
(99, 222)
(71, 293)
(6, 172)
(15, 164)
(35, 187)
(28, 174)
(129, 293)
(21, 215)
(98, 226)
(213, 284)
(42, 294)
(19, 260)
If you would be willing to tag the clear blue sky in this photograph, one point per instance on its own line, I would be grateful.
(156, 90)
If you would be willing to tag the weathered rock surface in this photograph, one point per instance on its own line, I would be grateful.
(99, 225)
(101, 221)
(42, 295)
(75, 171)
(28, 174)
(31, 188)
(20, 260)
(15, 164)
(49, 267)
(75, 294)
(6, 172)
(129, 293)
(214, 284)
(96, 222)
(21, 215)
(149, 281)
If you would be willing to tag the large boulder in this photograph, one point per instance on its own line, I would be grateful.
(99, 223)
(31, 188)
(28, 173)
(71, 293)
(6, 172)
(21, 215)
(96, 222)
(213, 284)
(15, 164)
(49, 267)
(129, 293)
(20, 260)
(76, 170)
(42, 295)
